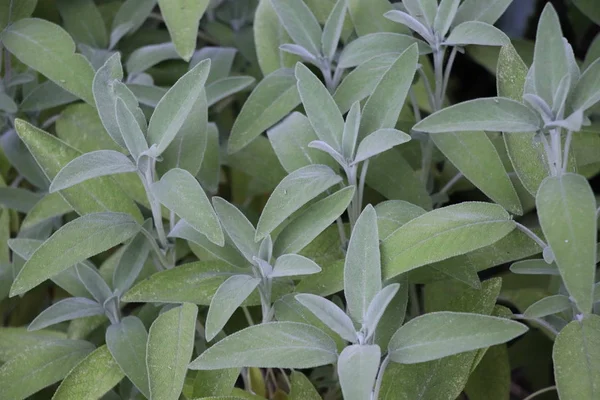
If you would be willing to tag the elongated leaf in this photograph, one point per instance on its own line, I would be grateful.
(126, 342)
(229, 296)
(131, 262)
(474, 32)
(362, 269)
(443, 233)
(74, 242)
(146, 57)
(566, 209)
(93, 377)
(132, 134)
(50, 206)
(330, 314)
(65, 310)
(272, 99)
(11, 11)
(129, 18)
(300, 23)
(293, 265)
(49, 49)
(357, 369)
(411, 22)
(377, 44)
(379, 305)
(238, 228)
(44, 96)
(444, 16)
(487, 11)
(173, 109)
(367, 16)
(89, 166)
(534, 267)
(474, 154)
(302, 388)
(270, 345)
(585, 93)
(350, 134)
(293, 192)
(225, 87)
(323, 113)
(18, 199)
(379, 141)
(441, 334)
(180, 192)
(548, 306)
(182, 18)
(170, 345)
(333, 29)
(41, 366)
(577, 359)
(490, 114)
(210, 169)
(84, 22)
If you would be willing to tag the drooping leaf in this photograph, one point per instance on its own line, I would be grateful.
(182, 18)
(65, 310)
(357, 369)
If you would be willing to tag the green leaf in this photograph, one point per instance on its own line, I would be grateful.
(491, 378)
(132, 261)
(272, 99)
(383, 107)
(180, 192)
(146, 57)
(293, 192)
(127, 344)
(350, 134)
(215, 382)
(376, 44)
(129, 18)
(445, 16)
(357, 369)
(173, 109)
(487, 11)
(300, 23)
(49, 206)
(577, 359)
(170, 346)
(302, 388)
(270, 345)
(182, 18)
(18, 199)
(379, 305)
(93, 377)
(367, 16)
(484, 114)
(84, 23)
(474, 154)
(238, 228)
(476, 33)
(333, 29)
(410, 22)
(74, 242)
(14, 10)
(294, 265)
(18, 340)
(210, 169)
(228, 297)
(379, 141)
(548, 306)
(330, 314)
(45, 96)
(41, 366)
(66, 310)
(441, 334)
(585, 93)
(101, 194)
(587, 7)
(132, 134)
(322, 112)
(8, 104)
(567, 214)
(89, 166)
(49, 49)
(443, 233)
(534, 267)
(550, 62)
(225, 87)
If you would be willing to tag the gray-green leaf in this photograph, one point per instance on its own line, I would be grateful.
(66, 310)
(375, 44)
(548, 306)
(476, 33)
(357, 369)
(294, 265)
(379, 141)
(182, 18)
(300, 23)
(330, 314)
(238, 228)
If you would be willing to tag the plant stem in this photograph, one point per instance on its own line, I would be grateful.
(438, 64)
(556, 151)
(451, 182)
(538, 321)
(532, 235)
(566, 151)
(248, 316)
(448, 70)
(162, 260)
(147, 179)
(415, 308)
(379, 380)
(415, 105)
(361, 183)
(541, 391)
(430, 94)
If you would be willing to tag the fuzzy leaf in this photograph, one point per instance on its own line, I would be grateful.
(376, 44)
(294, 265)
(330, 314)
(357, 369)
(379, 141)
(66, 310)
(238, 228)
(333, 29)
(548, 306)
(300, 23)
(487, 11)
(182, 18)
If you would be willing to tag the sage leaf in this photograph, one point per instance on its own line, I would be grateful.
(132, 261)
(132, 134)
(302, 388)
(534, 267)
(367, 16)
(84, 23)
(423, 10)
(126, 342)
(350, 134)
(357, 369)
(89, 166)
(270, 345)
(76, 241)
(238, 228)
(225, 87)
(331, 315)
(441, 334)
(585, 93)
(293, 192)
(445, 16)
(269, 35)
(333, 29)
(376, 44)
(379, 141)
(12, 11)
(228, 297)
(548, 306)
(566, 210)
(476, 33)
(411, 22)
(66, 310)
(379, 305)
(210, 168)
(182, 18)
(129, 18)
(148, 56)
(294, 265)
(180, 192)
(170, 346)
(300, 23)
(93, 282)
(487, 11)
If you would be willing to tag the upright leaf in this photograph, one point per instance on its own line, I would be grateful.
(238, 228)
(84, 22)
(445, 16)
(132, 134)
(300, 23)
(357, 369)
(330, 314)
(333, 29)
(367, 16)
(129, 18)
(182, 18)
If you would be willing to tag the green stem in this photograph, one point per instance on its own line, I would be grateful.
(538, 321)
(361, 183)
(566, 151)
(147, 179)
(448, 70)
(438, 64)
(379, 380)
(157, 250)
(541, 391)
(556, 151)
(532, 235)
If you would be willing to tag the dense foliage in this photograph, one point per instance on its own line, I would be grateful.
(298, 199)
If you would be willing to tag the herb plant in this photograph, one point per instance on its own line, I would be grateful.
(295, 199)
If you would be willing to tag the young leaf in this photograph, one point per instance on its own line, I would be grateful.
(180, 192)
(66, 310)
(238, 228)
(487, 11)
(476, 33)
(423, 10)
(379, 141)
(129, 18)
(272, 99)
(132, 134)
(299, 51)
(576, 358)
(294, 265)
(377, 44)
(586, 92)
(93, 377)
(443, 233)
(225, 87)
(333, 29)
(127, 343)
(534, 267)
(210, 169)
(76, 241)
(269, 34)
(484, 114)
(48, 49)
(300, 23)
(182, 18)
(148, 56)
(89, 166)
(357, 369)
(548, 306)
(270, 345)
(411, 22)
(567, 214)
(228, 297)
(40, 366)
(170, 346)
(362, 269)
(324, 147)
(367, 16)
(321, 110)
(131, 261)
(351, 128)
(173, 109)
(308, 225)
(293, 192)
(445, 16)
(441, 334)
(93, 282)
(379, 305)
(331, 315)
